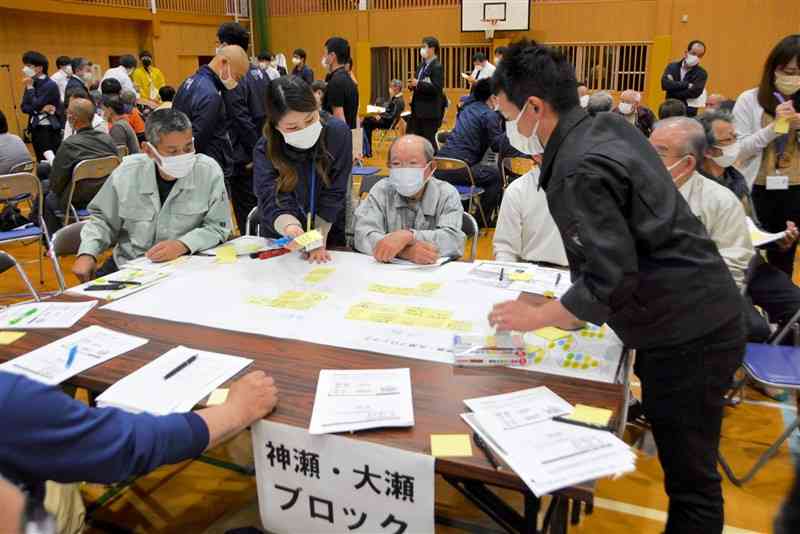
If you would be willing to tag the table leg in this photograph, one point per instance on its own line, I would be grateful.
(497, 509)
(532, 504)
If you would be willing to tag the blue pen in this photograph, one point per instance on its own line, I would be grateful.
(73, 350)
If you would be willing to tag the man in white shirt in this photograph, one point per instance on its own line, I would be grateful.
(122, 73)
(483, 69)
(525, 229)
(63, 74)
(681, 143)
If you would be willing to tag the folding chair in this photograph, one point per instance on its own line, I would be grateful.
(25, 187)
(65, 242)
(470, 228)
(253, 219)
(394, 128)
(441, 138)
(518, 166)
(25, 166)
(97, 169)
(773, 366)
(367, 183)
(358, 145)
(469, 193)
(7, 261)
(122, 150)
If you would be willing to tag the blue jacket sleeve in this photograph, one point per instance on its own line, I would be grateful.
(308, 75)
(34, 100)
(58, 438)
(271, 204)
(242, 125)
(204, 119)
(339, 143)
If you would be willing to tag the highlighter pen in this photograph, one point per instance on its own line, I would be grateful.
(73, 350)
(23, 316)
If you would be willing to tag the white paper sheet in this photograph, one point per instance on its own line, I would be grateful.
(44, 314)
(521, 408)
(146, 390)
(244, 245)
(145, 279)
(182, 265)
(521, 277)
(347, 401)
(760, 237)
(375, 109)
(95, 345)
(699, 102)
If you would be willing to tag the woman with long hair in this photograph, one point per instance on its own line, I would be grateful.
(767, 119)
(301, 166)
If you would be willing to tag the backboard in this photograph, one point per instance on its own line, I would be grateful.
(511, 15)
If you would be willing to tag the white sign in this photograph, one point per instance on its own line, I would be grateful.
(326, 483)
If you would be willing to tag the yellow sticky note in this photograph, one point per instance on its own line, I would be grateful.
(551, 333)
(7, 338)
(308, 238)
(450, 445)
(520, 277)
(782, 126)
(319, 274)
(591, 415)
(226, 254)
(218, 396)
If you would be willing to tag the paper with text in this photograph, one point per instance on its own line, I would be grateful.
(44, 314)
(521, 408)
(143, 279)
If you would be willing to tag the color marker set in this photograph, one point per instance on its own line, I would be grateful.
(473, 350)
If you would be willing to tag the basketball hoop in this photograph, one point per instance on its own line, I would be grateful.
(489, 25)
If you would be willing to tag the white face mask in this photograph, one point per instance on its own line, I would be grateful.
(86, 76)
(263, 65)
(729, 155)
(626, 108)
(408, 181)
(295, 61)
(424, 52)
(218, 50)
(691, 60)
(305, 138)
(68, 70)
(28, 71)
(787, 85)
(527, 145)
(175, 166)
(230, 83)
(584, 101)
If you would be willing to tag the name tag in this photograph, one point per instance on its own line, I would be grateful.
(777, 182)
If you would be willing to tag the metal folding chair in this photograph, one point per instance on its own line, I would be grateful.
(7, 261)
(65, 242)
(25, 166)
(25, 187)
(469, 193)
(122, 150)
(517, 166)
(470, 228)
(253, 219)
(393, 128)
(441, 138)
(367, 183)
(96, 169)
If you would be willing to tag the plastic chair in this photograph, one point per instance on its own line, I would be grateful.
(7, 261)
(254, 215)
(469, 193)
(97, 169)
(518, 166)
(470, 228)
(25, 187)
(65, 242)
(773, 366)
(25, 166)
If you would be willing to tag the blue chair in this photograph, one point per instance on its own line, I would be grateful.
(468, 193)
(25, 187)
(776, 366)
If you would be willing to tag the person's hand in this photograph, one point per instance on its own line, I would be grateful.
(28, 82)
(670, 77)
(252, 397)
(293, 231)
(166, 251)
(390, 246)
(515, 315)
(412, 83)
(319, 255)
(84, 267)
(791, 236)
(785, 110)
(49, 109)
(421, 253)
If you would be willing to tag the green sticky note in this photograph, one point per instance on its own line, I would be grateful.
(450, 445)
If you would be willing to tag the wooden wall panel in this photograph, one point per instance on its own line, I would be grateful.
(177, 46)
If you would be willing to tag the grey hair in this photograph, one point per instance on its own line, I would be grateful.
(694, 139)
(599, 102)
(396, 83)
(708, 118)
(427, 147)
(165, 121)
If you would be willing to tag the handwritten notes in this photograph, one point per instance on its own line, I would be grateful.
(416, 316)
(425, 289)
(320, 274)
(290, 300)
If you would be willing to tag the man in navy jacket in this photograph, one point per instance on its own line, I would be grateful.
(685, 79)
(41, 101)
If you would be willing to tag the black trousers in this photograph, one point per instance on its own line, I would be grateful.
(774, 208)
(240, 188)
(682, 397)
(788, 520)
(773, 291)
(426, 128)
(370, 124)
(487, 177)
(43, 139)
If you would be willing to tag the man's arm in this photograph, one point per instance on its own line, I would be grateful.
(335, 98)
(204, 119)
(215, 228)
(236, 102)
(369, 224)
(104, 221)
(728, 230)
(448, 236)
(61, 170)
(434, 86)
(698, 85)
(668, 83)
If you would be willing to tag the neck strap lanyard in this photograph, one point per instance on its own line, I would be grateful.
(312, 212)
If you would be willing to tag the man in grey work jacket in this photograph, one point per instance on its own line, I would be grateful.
(641, 262)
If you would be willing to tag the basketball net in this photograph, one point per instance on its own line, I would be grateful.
(489, 25)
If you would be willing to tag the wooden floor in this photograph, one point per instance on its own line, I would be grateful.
(197, 497)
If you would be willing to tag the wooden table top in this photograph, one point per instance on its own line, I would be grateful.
(438, 389)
